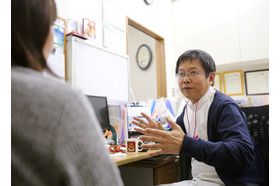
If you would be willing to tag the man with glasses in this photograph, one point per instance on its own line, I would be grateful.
(211, 129)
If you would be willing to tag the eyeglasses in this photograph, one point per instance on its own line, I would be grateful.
(191, 74)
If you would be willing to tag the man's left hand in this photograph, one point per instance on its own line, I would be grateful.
(169, 142)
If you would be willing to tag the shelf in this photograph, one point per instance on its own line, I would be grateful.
(251, 64)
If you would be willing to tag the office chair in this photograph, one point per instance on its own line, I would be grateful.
(258, 125)
(185, 168)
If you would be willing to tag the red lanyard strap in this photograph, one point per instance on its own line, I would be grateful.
(194, 131)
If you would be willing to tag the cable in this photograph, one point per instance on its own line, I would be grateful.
(132, 95)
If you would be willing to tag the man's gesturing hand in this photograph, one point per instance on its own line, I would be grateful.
(169, 142)
(143, 124)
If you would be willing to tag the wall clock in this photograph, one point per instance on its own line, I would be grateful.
(144, 56)
(149, 2)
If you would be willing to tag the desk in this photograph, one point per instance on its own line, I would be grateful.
(133, 170)
(121, 160)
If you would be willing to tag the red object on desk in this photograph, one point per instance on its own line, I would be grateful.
(115, 148)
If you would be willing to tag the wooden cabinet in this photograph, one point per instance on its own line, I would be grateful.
(230, 31)
(212, 27)
(149, 173)
(253, 29)
(166, 173)
(221, 31)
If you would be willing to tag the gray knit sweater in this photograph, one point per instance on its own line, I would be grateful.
(55, 136)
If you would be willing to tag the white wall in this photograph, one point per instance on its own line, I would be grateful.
(156, 17)
(142, 80)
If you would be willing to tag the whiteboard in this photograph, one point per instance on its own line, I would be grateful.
(100, 72)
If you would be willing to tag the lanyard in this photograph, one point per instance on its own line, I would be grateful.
(194, 130)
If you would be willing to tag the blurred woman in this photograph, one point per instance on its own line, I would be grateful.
(55, 136)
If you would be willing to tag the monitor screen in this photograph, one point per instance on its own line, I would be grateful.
(100, 107)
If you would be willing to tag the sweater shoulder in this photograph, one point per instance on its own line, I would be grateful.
(220, 99)
(30, 83)
(219, 103)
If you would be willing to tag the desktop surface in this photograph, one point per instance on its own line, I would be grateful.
(122, 160)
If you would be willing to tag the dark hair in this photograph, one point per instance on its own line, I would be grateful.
(204, 58)
(30, 25)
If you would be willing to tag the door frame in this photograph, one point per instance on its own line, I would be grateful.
(160, 55)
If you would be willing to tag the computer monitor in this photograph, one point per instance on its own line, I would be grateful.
(100, 106)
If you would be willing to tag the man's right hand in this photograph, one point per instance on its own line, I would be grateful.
(143, 124)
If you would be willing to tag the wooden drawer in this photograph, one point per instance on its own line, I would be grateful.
(166, 174)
